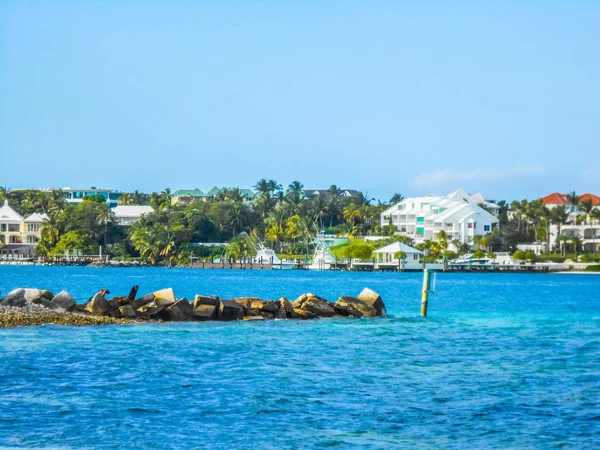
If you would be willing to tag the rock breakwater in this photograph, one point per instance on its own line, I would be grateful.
(23, 307)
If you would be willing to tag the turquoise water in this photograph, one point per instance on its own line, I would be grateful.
(503, 361)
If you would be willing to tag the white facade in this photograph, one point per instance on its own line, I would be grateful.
(128, 214)
(458, 214)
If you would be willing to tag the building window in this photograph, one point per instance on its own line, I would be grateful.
(470, 225)
(15, 239)
(31, 239)
(3, 228)
(486, 228)
(14, 227)
(33, 227)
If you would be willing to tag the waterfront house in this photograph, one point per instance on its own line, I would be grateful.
(77, 195)
(458, 214)
(18, 235)
(127, 214)
(587, 229)
(184, 197)
(388, 254)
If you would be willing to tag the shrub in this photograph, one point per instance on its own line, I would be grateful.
(594, 268)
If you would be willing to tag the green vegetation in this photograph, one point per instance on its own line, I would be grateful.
(594, 268)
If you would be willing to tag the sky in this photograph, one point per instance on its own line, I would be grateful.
(415, 97)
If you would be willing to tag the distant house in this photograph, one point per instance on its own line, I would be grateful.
(127, 214)
(309, 193)
(185, 197)
(388, 254)
(18, 235)
(77, 195)
(458, 214)
(587, 230)
(557, 199)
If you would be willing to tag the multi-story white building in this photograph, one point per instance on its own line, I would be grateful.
(586, 228)
(77, 195)
(458, 214)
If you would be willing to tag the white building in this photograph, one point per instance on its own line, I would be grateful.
(458, 214)
(128, 214)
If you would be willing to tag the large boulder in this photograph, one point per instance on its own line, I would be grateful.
(179, 311)
(20, 297)
(286, 306)
(206, 300)
(254, 318)
(269, 306)
(98, 305)
(15, 297)
(374, 299)
(138, 303)
(319, 307)
(165, 297)
(64, 301)
(36, 295)
(302, 314)
(149, 311)
(127, 311)
(355, 307)
(206, 312)
(230, 310)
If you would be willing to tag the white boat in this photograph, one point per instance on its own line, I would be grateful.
(323, 258)
(267, 255)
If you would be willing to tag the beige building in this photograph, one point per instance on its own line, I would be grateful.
(18, 235)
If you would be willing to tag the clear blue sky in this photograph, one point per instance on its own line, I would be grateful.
(413, 97)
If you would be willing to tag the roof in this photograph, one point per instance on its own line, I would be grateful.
(214, 191)
(594, 198)
(248, 193)
(9, 214)
(188, 193)
(132, 210)
(555, 198)
(398, 247)
(36, 218)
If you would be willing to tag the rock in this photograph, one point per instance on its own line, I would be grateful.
(138, 303)
(319, 307)
(302, 314)
(14, 298)
(35, 295)
(286, 306)
(373, 299)
(179, 311)
(206, 300)
(149, 311)
(47, 303)
(98, 305)
(230, 310)
(265, 305)
(114, 302)
(20, 297)
(64, 301)
(206, 312)
(304, 298)
(356, 307)
(254, 318)
(164, 297)
(127, 311)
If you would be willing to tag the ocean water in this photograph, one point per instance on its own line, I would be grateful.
(502, 361)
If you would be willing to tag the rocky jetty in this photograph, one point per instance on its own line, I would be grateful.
(35, 307)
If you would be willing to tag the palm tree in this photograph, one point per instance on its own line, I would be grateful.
(587, 206)
(125, 199)
(137, 197)
(4, 192)
(396, 198)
